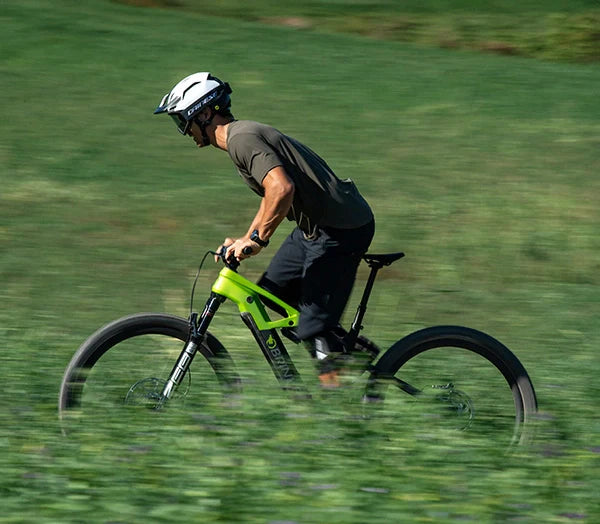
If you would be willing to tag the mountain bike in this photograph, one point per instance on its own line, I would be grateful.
(446, 377)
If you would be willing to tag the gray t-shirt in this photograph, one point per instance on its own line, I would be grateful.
(320, 198)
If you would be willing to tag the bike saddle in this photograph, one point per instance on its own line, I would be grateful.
(381, 260)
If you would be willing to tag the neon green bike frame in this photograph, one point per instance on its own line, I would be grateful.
(244, 294)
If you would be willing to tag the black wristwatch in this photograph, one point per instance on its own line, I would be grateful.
(255, 238)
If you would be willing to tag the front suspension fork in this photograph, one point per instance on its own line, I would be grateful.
(198, 329)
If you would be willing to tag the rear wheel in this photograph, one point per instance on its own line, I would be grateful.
(126, 364)
(453, 381)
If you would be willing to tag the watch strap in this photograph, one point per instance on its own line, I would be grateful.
(255, 237)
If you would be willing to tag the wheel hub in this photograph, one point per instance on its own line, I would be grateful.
(457, 404)
(148, 392)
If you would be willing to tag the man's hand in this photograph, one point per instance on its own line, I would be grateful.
(236, 247)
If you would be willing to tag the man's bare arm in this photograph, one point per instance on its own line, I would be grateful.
(274, 207)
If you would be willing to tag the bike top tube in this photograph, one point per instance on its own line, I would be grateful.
(246, 295)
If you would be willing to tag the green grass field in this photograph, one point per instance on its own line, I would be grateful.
(482, 168)
(551, 30)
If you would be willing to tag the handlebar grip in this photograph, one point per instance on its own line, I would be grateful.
(232, 263)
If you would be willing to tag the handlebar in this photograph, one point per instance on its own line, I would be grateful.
(233, 263)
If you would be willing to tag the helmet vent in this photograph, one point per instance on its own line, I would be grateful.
(188, 88)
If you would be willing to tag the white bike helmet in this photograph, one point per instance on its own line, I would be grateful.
(191, 95)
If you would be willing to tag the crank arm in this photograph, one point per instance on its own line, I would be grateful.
(406, 387)
(376, 385)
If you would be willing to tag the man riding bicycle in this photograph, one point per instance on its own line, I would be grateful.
(315, 267)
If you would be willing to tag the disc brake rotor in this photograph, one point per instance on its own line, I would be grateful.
(457, 403)
(148, 391)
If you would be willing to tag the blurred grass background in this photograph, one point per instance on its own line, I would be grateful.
(482, 168)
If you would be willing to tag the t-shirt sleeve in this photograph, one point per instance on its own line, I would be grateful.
(253, 155)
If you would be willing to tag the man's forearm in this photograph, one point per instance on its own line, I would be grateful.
(274, 206)
(270, 214)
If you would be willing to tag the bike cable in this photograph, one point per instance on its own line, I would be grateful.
(196, 279)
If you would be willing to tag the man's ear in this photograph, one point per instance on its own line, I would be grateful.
(205, 114)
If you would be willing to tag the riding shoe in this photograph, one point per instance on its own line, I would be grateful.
(328, 350)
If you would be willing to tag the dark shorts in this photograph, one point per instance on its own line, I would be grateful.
(317, 276)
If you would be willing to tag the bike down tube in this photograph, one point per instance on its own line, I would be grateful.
(276, 355)
(245, 295)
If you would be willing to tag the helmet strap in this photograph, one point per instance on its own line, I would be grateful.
(203, 125)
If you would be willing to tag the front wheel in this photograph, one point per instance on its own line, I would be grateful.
(126, 364)
(450, 381)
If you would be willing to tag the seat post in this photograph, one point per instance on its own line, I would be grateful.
(350, 338)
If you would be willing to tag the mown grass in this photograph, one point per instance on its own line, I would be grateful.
(482, 168)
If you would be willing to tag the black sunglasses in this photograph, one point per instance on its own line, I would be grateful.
(183, 126)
